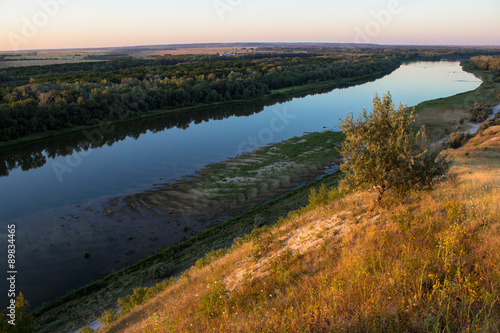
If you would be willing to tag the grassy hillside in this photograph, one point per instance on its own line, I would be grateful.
(425, 262)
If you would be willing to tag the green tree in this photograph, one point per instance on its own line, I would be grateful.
(383, 150)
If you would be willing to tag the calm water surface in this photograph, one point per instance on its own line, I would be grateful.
(45, 186)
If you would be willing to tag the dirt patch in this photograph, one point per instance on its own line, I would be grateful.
(302, 240)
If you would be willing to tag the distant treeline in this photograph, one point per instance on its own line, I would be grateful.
(58, 97)
(404, 53)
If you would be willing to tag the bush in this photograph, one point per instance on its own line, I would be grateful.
(323, 196)
(24, 318)
(129, 302)
(318, 198)
(214, 300)
(383, 150)
(108, 317)
(480, 112)
(141, 295)
(457, 139)
(159, 271)
(489, 123)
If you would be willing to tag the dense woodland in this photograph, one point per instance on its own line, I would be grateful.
(38, 99)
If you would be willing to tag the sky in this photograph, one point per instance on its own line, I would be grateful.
(49, 24)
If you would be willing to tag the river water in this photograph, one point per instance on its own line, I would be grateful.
(52, 190)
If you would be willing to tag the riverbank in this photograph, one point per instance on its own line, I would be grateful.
(82, 306)
(231, 187)
(443, 116)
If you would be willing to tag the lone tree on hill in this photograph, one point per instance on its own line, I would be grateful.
(383, 150)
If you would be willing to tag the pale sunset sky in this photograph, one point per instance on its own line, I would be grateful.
(48, 24)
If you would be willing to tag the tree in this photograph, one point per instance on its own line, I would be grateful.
(383, 150)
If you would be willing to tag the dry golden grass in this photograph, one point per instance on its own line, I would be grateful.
(428, 262)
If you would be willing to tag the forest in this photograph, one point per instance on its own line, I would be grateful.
(39, 99)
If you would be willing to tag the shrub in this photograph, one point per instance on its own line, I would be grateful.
(160, 270)
(108, 317)
(23, 320)
(489, 123)
(480, 112)
(129, 302)
(214, 300)
(322, 196)
(457, 139)
(318, 198)
(382, 150)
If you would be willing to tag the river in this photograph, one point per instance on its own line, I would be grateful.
(54, 190)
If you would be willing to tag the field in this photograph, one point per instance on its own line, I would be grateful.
(40, 58)
(64, 56)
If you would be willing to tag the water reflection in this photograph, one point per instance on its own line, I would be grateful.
(35, 155)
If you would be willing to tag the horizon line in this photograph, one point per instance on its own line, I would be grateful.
(249, 43)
